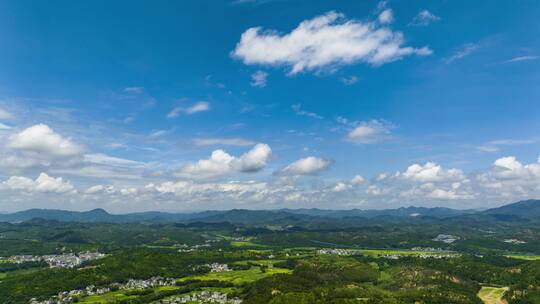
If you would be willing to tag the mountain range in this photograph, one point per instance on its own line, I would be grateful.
(529, 209)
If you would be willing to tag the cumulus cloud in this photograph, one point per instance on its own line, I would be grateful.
(43, 183)
(235, 141)
(357, 180)
(306, 166)
(511, 179)
(439, 192)
(424, 18)
(200, 106)
(386, 16)
(325, 41)
(221, 163)
(341, 186)
(42, 139)
(369, 132)
(431, 172)
(258, 79)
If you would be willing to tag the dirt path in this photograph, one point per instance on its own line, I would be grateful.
(493, 295)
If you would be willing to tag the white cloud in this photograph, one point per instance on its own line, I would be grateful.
(487, 149)
(306, 166)
(4, 127)
(95, 189)
(386, 16)
(424, 18)
(322, 42)
(221, 163)
(297, 108)
(340, 187)
(349, 80)
(357, 180)
(159, 133)
(44, 183)
(369, 132)
(463, 52)
(431, 172)
(238, 142)
(101, 172)
(43, 140)
(133, 90)
(493, 146)
(509, 178)
(5, 115)
(521, 58)
(103, 159)
(258, 79)
(200, 106)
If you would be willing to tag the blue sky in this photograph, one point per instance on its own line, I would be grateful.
(191, 105)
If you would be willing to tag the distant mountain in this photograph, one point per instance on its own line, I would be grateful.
(243, 216)
(95, 215)
(100, 215)
(411, 211)
(524, 209)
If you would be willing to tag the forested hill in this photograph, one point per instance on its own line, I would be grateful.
(525, 209)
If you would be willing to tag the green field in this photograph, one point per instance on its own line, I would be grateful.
(237, 277)
(248, 244)
(524, 257)
(492, 295)
(110, 297)
(13, 273)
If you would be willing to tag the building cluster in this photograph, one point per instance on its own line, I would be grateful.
(203, 297)
(338, 251)
(397, 256)
(431, 249)
(217, 267)
(66, 260)
(144, 284)
(66, 297)
(514, 241)
(187, 248)
(446, 238)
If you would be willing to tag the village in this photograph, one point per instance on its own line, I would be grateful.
(203, 297)
(66, 260)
